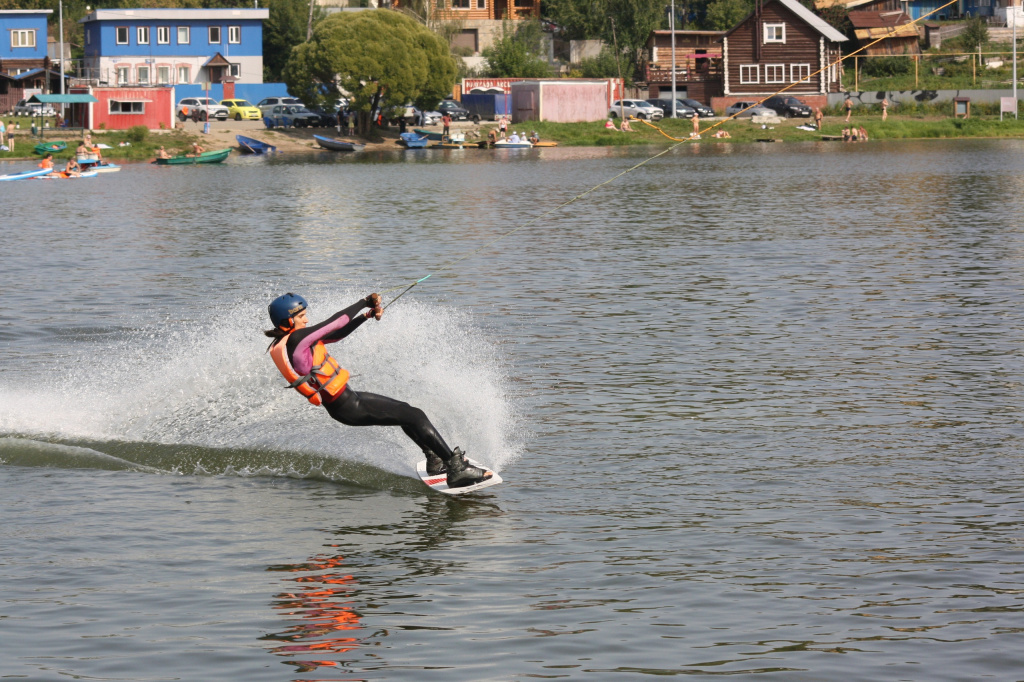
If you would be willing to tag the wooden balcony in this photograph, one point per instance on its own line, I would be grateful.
(687, 71)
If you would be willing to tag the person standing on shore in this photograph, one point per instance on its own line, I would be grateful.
(3, 134)
(885, 108)
(696, 125)
(849, 107)
(446, 121)
(817, 118)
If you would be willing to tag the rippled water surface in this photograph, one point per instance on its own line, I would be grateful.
(758, 410)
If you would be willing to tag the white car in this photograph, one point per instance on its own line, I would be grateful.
(267, 104)
(207, 107)
(637, 108)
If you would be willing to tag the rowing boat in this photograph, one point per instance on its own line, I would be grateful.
(252, 146)
(25, 174)
(51, 147)
(433, 137)
(414, 140)
(337, 145)
(216, 156)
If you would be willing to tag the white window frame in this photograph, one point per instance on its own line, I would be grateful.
(209, 35)
(142, 35)
(162, 79)
(797, 72)
(187, 71)
(163, 35)
(745, 71)
(23, 37)
(142, 69)
(774, 73)
(188, 35)
(137, 108)
(123, 70)
(234, 35)
(117, 35)
(777, 33)
(235, 70)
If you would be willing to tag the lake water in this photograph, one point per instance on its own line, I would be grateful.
(758, 409)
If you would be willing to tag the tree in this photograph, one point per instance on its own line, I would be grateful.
(633, 21)
(378, 58)
(975, 35)
(516, 53)
(722, 15)
(283, 30)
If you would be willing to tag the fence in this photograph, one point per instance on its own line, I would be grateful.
(910, 71)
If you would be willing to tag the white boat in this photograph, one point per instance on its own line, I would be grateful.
(505, 144)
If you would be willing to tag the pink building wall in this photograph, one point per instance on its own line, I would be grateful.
(561, 101)
(157, 104)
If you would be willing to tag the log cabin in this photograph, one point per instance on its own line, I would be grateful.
(780, 43)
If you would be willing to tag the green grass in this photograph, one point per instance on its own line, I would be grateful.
(896, 127)
(173, 141)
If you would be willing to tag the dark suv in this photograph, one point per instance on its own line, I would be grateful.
(452, 108)
(788, 106)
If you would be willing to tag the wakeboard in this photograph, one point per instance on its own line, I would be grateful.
(440, 481)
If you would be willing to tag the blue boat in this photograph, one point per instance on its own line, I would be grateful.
(26, 174)
(414, 141)
(250, 146)
(338, 145)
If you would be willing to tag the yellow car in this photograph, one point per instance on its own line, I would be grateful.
(241, 110)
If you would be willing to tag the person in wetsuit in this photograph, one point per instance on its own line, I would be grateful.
(300, 354)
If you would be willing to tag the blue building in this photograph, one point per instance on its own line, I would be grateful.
(139, 47)
(22, 40)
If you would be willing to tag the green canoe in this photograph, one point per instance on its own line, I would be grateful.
(215, 156)
(50, 147)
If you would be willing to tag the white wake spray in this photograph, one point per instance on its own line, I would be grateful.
(213, 385)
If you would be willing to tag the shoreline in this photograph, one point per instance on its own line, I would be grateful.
(292, 140)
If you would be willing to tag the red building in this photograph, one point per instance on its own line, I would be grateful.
(123, 108)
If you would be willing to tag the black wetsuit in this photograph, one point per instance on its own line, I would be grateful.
(362, 409)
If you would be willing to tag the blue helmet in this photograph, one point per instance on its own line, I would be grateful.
(283, 308)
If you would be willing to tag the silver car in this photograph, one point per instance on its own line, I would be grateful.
(26, 108)
(754, 109)
(637, 108)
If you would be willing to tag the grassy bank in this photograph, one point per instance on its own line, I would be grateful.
(137, 147)
(896, 127)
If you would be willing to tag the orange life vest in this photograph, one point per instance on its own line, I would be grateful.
(326, 374)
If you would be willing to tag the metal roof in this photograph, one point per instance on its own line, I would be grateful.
(822, 26)
(63, 99)
(225, 14)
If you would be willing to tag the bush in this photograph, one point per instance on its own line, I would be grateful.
(887, 67)
(137, 134)
(603, 66)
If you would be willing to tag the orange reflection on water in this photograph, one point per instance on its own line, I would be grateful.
(321, 610)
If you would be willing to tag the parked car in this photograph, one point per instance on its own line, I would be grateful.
(290, 116)
(426, 118)
(702, 111)
(453, 109)
(267, 104)
(682, 111)
(26, 108)
(637, 108)
(240, 109)
(207, 107)
(755, 110)
(788, 106)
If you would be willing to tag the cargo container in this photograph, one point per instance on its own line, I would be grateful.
(487, 106)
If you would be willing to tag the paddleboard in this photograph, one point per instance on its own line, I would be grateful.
(25, 174)
(440, 481)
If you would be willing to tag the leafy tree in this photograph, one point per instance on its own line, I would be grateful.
(626, 23)
(284, 29)
(378, 58)
(516, 54)
(603, 65)
(724, 14)
(975, 35)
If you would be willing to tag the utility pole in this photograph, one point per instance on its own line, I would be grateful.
(1015, 15)
(672, 26)
(60, 10)
(618, 63)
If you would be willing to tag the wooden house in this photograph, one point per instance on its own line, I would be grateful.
(12, 91)
(698, 64)
(781, 43)
(481, 20)
(913, 8)
(899, 36)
